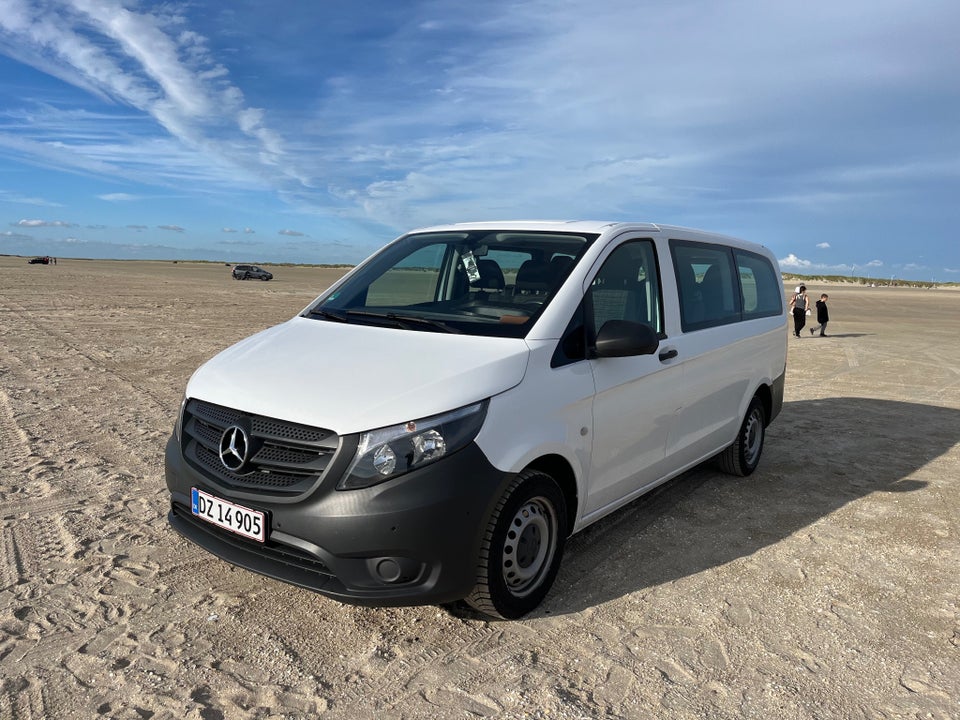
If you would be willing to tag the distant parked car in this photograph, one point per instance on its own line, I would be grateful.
(247, 272)
(39, 261)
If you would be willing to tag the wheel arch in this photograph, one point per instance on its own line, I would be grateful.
(766, 398)
(557, 467)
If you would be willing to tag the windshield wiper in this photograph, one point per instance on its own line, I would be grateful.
(328, 314)
(405, 321)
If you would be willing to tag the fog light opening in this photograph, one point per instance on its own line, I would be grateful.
(389, 570)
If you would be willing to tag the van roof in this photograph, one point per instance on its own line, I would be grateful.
(589, 226)
(584, 226)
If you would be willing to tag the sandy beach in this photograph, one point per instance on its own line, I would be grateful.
(825, 585)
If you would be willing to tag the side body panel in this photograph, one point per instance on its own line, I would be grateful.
(722, 369)
(628, 424)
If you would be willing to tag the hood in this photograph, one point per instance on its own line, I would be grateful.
(352, 378)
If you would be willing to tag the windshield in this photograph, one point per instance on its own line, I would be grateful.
(473, 282)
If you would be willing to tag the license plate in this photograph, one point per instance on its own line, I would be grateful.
(227, 515)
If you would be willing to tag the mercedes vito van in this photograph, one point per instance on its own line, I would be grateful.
(439, 421)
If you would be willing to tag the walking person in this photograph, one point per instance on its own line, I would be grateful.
(823, 316)
(801, 304)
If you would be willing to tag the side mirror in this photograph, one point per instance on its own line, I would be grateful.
(624, 338)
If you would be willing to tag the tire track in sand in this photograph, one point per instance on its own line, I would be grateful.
(21, 316)
(13, 438)
(21, 698)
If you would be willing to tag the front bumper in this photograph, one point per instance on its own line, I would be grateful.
(411, 540)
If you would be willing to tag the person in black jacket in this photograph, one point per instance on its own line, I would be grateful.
(800, 304)
(823, 316)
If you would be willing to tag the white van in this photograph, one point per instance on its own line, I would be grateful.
(439, 421)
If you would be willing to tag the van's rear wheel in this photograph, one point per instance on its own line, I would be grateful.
(522, 546)
(743, 455)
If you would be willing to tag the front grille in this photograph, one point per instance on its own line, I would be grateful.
(286, 458)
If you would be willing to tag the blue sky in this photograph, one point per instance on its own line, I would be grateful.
(317, 131)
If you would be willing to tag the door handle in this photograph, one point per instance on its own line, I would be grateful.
(668, 354)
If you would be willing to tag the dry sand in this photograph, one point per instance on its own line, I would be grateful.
(824, 586)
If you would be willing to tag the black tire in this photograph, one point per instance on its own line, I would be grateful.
(743, 455)
(522, 547)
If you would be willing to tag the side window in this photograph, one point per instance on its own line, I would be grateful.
(760, 290)
(627, 287)
(708, 287)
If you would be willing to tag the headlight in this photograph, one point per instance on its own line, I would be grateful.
(391, 451)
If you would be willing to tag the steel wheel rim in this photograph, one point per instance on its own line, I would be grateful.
(529, 546)
(753, 437)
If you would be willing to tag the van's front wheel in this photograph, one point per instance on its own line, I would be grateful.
(521, 549)
(743, 455)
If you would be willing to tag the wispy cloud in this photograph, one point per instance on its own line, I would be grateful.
(8, 235)
(19, 199)
(360, 121)
(172, 228)
(794, 264)
(44, 223)
(505, 106)
(143, 59)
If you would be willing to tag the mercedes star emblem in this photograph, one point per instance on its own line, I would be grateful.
(234, 446)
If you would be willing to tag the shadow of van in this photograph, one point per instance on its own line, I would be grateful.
(847, 448)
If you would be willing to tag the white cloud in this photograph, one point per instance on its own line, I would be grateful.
(823, 245)
(44, 223)
(793, 262)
